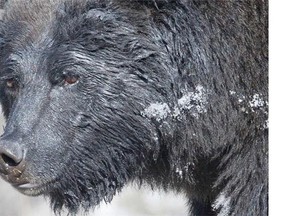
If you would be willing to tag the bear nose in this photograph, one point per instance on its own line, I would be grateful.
(12, 161)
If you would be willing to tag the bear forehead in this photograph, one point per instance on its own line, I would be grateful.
(35, 20)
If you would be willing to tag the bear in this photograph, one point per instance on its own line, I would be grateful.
(169, 93)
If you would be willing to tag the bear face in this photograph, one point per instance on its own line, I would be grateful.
(56, 78)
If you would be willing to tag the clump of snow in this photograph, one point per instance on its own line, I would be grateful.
(256, 102)
(240, 100)
(159, 111)
(194, 101)
(222, 202)
(182, 170)
(179, 172)
(232, 92)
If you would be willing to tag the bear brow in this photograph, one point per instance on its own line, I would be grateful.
(11, 62)
(65, 62)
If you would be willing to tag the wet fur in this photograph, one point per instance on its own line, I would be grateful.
(130, 55)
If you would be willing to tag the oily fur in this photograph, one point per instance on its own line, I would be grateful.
(169, 93)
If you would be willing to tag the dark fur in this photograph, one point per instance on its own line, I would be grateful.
(85, 141)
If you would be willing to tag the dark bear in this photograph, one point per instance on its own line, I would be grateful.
(173, 94)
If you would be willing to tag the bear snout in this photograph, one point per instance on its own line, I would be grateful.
(12, 160)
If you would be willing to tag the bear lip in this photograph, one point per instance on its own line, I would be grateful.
(27, 186)
(32, 189)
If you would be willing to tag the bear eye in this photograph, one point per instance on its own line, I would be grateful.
(11, 84)
(70, 79)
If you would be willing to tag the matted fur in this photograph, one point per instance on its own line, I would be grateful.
(170, 93)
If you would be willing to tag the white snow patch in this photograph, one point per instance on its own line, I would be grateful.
(232, 92)
(182, 170)
(243, 110)
(256, 102)
(195, 101)
(159, 111)
(241, 98)
(222, 202)
(179, 172)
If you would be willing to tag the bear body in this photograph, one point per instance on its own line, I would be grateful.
(173, 94)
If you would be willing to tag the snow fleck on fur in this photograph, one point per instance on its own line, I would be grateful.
(256, 102)
(179, 172)
(232, 92)
(193, 101)
(159, 111)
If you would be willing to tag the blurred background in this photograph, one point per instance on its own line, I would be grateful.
(130, 202)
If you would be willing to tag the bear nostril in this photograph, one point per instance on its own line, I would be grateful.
(12, 159)
(9, 160)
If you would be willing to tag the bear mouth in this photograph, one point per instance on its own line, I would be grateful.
(33, 189)
(29, 188)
